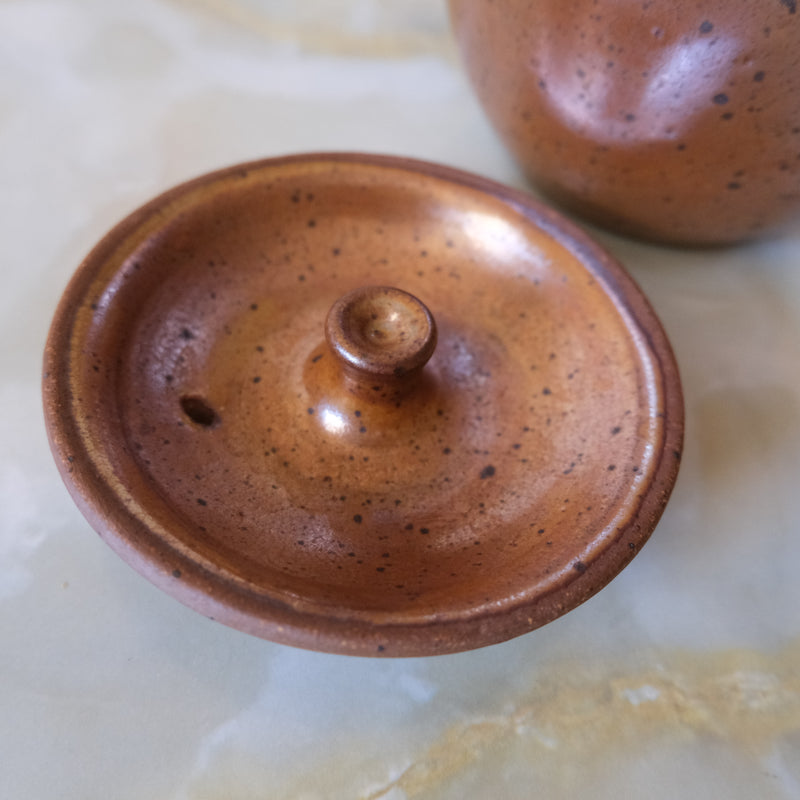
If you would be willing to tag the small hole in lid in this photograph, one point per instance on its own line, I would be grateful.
(199, 411)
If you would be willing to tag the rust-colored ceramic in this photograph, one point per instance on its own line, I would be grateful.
(676, 121)
(363, 405)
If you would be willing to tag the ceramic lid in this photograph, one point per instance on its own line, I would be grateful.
(363, 404)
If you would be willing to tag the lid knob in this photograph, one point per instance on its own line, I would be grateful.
(381, 336)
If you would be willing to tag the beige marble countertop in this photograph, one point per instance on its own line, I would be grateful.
(680, 679)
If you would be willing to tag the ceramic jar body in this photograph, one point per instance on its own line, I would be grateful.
(677, 121)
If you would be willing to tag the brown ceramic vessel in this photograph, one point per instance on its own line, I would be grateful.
(675, 121)
(362, 404)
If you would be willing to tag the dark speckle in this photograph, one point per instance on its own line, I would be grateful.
(677, 454)
(612, 467)
(254, 306)
(487, 471)
(187, 334)
(579, 566)
(546, 391)
(720, 99)
(734, 185)
(201, 502)
(424, 530)
(357, 518)
(706, 26)
(336, 251)
(381, 648)
(257, 379)
(759, 76)
(176, 573)
(310, 410)
(791, 5)
(615, 430)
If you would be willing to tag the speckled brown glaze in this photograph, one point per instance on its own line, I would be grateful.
(676, 121)
(204, 419)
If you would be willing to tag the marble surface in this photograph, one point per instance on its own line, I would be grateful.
(680, 679)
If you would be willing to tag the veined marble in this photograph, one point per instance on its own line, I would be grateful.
(680, 679)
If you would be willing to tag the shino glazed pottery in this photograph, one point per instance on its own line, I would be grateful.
(362, 404)
(675, 121)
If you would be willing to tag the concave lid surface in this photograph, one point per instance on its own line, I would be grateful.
(213, 427)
